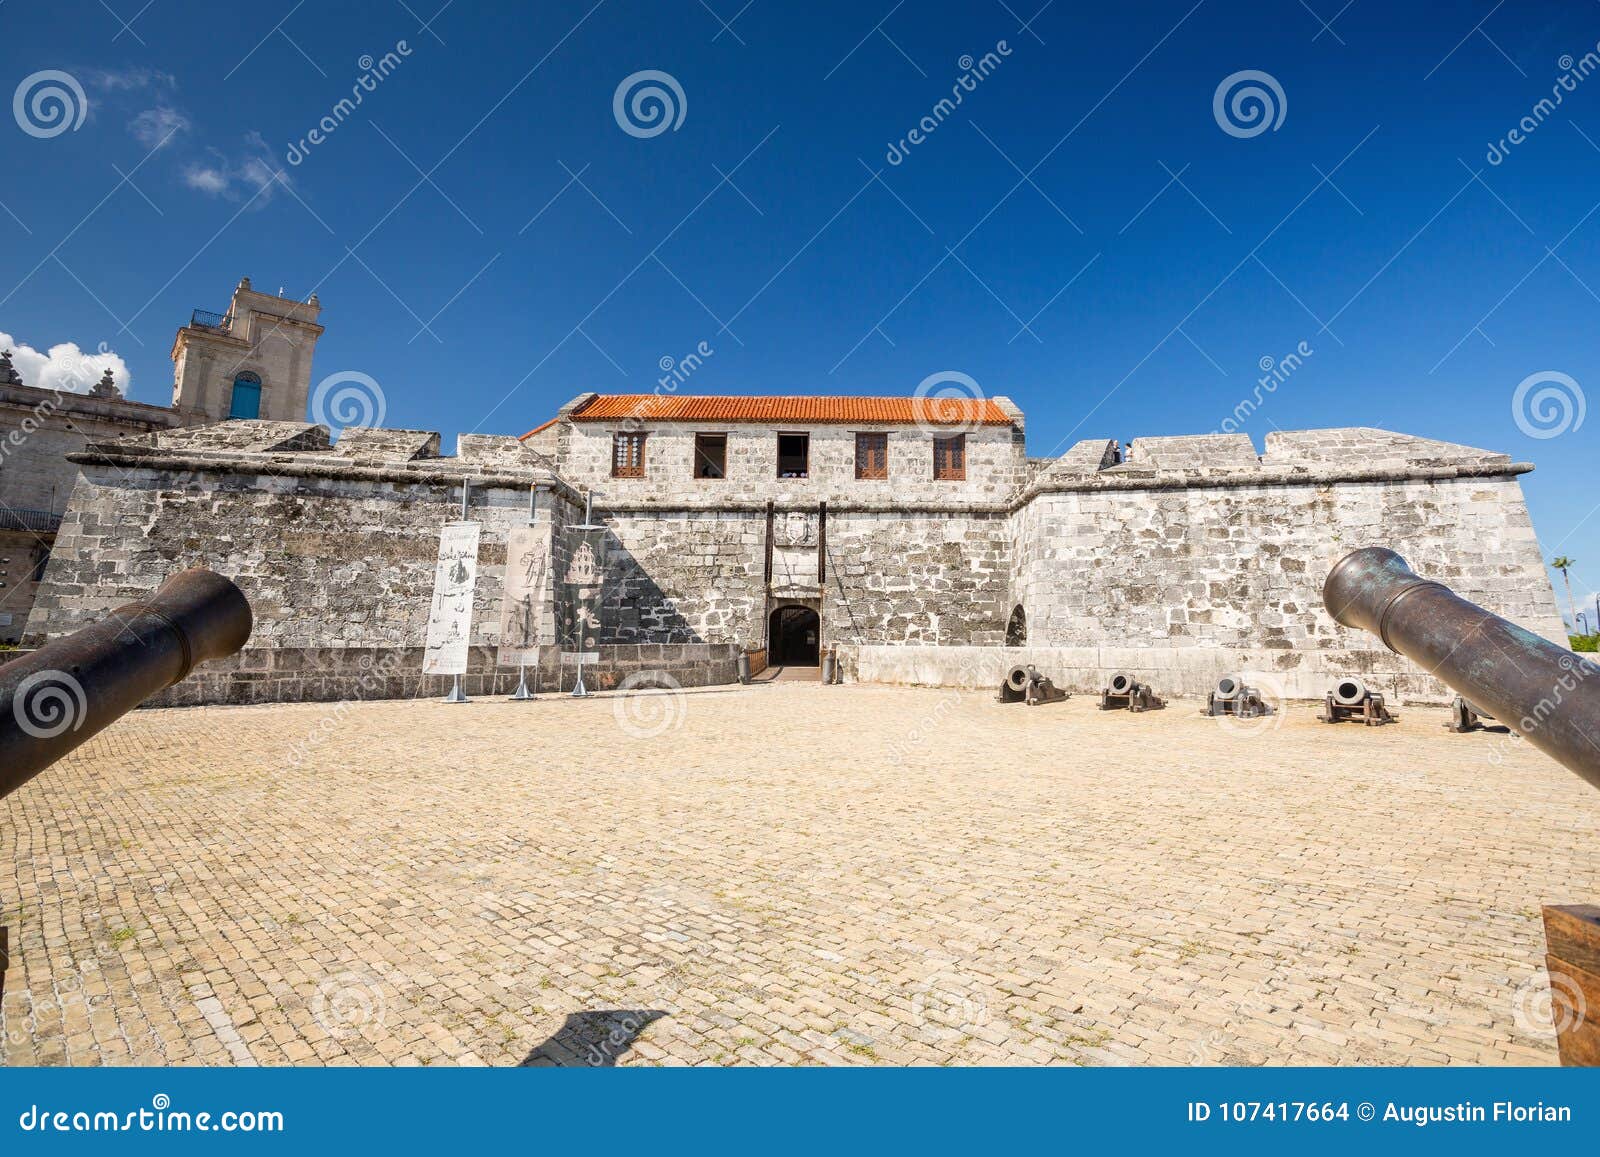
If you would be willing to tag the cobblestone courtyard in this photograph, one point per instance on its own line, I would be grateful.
(786, 874)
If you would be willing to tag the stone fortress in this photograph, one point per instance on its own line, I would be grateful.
(915, 539)
(252, 361)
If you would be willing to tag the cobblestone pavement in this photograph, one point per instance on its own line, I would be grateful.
(785, 874)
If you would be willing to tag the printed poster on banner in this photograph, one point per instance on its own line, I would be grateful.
(583, 585)
(527, 584)
(455, 578)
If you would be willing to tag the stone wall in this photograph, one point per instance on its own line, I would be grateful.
(698, 576)
(995, 466)
(685, 577)
(916, 578)
(335, 548)
(332, 674)
(1190, 559)
(22, 554)
(39, 429)
(1194, 544)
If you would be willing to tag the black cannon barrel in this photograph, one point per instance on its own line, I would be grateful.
(1548, 694)
(69, 690)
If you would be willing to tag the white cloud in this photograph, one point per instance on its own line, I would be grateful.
(246, 176)
(206, 178)
(65, 366)
(155, 128)
(130, 79)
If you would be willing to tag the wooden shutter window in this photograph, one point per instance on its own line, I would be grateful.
(950, 458)
(627, 456)
(872, 456)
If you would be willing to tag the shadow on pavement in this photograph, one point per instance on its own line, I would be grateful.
(596, 1039)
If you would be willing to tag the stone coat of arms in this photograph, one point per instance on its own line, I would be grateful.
(798, 529)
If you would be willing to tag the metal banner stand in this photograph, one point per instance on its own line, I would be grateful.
(522, 694)
(457, 695)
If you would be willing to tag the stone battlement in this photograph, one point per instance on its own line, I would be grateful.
(1294, 457)
(303, 449)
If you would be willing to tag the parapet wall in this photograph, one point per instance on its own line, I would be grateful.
(1195, 545)
(334, 547)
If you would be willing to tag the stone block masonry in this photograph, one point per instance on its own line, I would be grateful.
(39, 428)
(335, 551)
(1196, 548)
(685, 577)
(1175, 559)
(912, 578)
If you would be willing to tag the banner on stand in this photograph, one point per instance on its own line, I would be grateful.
(455, 578)
(582, 588)
(527, 586)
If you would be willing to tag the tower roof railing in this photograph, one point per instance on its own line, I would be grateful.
(215, 322)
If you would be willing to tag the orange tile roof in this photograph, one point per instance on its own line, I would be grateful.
(540, 428)
(803, 410)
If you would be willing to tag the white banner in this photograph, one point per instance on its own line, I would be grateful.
(527, 586)
(450, 616)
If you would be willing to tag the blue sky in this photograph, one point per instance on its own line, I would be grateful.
(1081, 233)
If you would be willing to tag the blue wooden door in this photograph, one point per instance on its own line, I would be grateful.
(246, 399)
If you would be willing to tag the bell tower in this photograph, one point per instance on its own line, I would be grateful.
(254, 361)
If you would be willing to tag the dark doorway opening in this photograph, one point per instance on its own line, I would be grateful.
(795, 637)
(1017, 628)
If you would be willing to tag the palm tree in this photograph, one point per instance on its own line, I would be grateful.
(1563, 564)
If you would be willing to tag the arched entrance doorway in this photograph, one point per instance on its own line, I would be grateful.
(1017, 628)
(794, 637)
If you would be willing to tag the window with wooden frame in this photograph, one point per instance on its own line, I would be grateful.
(950, 458)
(627, 456)
(794, 455)
(872, 456)
(710, 455)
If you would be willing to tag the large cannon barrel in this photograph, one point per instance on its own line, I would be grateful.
(1548, 694)
(1349, 691)
(67, 691)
